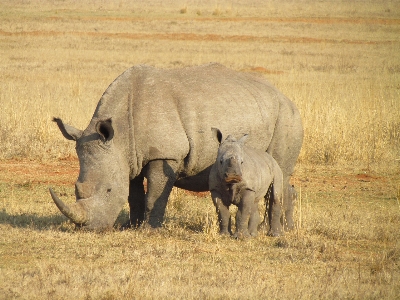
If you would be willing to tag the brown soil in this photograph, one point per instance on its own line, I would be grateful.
(66, 171)
(195, 37)
(62, 172)
(326, 20)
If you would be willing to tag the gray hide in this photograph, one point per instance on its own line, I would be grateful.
(155, 124)
(242, 176)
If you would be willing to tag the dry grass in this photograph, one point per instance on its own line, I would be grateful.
(347, 247)
(338, 61)
(342, 69)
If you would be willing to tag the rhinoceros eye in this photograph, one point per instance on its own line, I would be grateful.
(221, 161)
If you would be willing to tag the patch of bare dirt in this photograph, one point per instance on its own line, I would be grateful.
(196, 37)
(66, 171)
(262, 70)
(62, 172)
(343, 181)
(326, 20)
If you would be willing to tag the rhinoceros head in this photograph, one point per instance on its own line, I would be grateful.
(230, 157)
(103, 183)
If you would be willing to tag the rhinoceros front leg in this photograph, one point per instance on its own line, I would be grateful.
(245, 208)
(224, 216)
(136, 202)
(161, 175)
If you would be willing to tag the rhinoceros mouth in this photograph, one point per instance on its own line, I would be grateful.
(233, 179)
(76, 212)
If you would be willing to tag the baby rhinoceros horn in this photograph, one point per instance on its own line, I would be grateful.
(76, 211)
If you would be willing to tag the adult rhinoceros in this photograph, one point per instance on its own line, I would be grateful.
(156, 124)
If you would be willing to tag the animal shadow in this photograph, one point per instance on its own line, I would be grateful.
(29, 220)
(58, 222)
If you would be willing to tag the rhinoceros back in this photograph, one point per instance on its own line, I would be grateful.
(168, 114)
(215, 96)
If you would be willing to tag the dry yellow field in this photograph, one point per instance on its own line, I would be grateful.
(339, 61)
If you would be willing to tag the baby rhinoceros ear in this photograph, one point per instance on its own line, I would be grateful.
(105, 129)
(217, 134)
(243, 139)
(69, 132)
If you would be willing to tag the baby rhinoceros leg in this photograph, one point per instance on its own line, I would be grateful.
(244, 214)
(224, 216)
(254, 219)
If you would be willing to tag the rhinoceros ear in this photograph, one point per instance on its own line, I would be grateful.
(69, 132)
(217, 134)
(105, 130)
(243, 139)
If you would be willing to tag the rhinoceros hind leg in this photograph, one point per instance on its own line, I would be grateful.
(291, 198)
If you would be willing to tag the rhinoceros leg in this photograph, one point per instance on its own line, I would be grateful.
(264, 226)
(136, 202)
(243, 214)
(161, 175)
(275, 209)
(224, 216)
(285, 148)
(291, 197)
(254, 219)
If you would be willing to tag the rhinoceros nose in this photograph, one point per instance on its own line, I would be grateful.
(83, 190)
(232, 161)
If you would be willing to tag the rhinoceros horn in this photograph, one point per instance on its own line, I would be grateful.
(76, 212)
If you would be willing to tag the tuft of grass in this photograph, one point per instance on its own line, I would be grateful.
(183, 10)
(217, 11)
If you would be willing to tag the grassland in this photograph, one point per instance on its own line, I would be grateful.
(338, 61)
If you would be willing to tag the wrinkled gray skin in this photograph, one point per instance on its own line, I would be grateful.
(242, 176)
(155, 124)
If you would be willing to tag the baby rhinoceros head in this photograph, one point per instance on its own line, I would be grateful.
(230, 158)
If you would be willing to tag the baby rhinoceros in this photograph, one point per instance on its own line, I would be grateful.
(242, 175)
